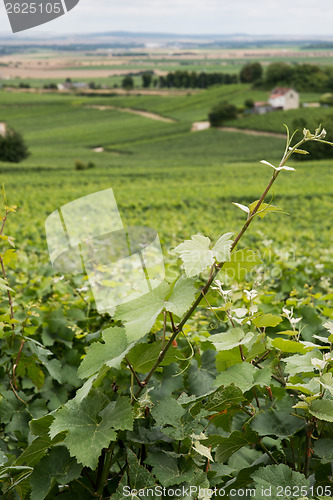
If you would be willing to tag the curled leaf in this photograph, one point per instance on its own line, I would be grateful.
(242, 207)
(276, 168)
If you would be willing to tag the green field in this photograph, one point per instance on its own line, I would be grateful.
(162, 174)
(93, 398)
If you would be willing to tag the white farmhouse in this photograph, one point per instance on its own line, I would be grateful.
(284, 98)
(3, 128)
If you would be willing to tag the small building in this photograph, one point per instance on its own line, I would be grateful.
(261, 108)
(80, 85)
(65, 86)
(284, 98)
(3, 129)
(68, 85)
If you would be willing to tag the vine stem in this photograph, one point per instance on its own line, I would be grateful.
(309, 429)
(213, 273)
(216, 267)
(17, 362)
(133, 371)
(10, 299)
(106, 464)
(261, 444)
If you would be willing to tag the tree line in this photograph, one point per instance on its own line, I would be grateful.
(182, 79)
(304, 77)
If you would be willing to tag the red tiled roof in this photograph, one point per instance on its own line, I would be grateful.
(279, 91)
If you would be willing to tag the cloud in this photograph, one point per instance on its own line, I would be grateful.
(303, 17)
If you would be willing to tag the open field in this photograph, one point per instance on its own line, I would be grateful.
(155, 168)
(237, 390)
(107, 65)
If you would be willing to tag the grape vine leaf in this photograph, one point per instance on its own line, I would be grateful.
(143, 356)
(53, 366)
(119, 495)
(110, 352)
(265, 208)
(323, 448)
(139, 477)
(221, 249)
(197, 255)
(266, 320)
(88, 433)
(244, 376)
(233, 443)
(223, 399)
(301, 363)
(242, 207)
(277, 421)
(168, 412)
(176, 298)
(166, 470)
(277, 168)
(181, 297)
(276, 479)
(37, 449)
(58, 467)
(240, 263)
(119, 414)
(291, 346)
(322, 409)
(232, 338)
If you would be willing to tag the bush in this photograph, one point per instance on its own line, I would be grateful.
(279, 73)
(222, 112)
(146, 80)
(51, 86)
(80, 165)
(327, 99)
(127, 83)
(249, 103)
(12, 147)
(251, 72)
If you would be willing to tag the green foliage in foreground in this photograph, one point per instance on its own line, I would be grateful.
(231, 391)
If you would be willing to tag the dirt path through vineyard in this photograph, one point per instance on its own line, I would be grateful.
(252, 132)
(145, 114)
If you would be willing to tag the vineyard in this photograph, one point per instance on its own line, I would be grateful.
(215, 384)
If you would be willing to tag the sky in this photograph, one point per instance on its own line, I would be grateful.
(254, 17)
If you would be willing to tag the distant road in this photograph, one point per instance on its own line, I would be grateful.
(252, 132)
(198, 126)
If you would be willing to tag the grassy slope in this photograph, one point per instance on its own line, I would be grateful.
(273, 122)
(163, 176)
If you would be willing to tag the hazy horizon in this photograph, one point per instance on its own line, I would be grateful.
(190, 17)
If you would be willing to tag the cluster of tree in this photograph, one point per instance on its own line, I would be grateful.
(188, 79)
(23, 85)
(94, 86)
(303, 77)
(127, 83)
(50, 86)
(80, 165)
(251, 73)
(222, 112)
(12, 146)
